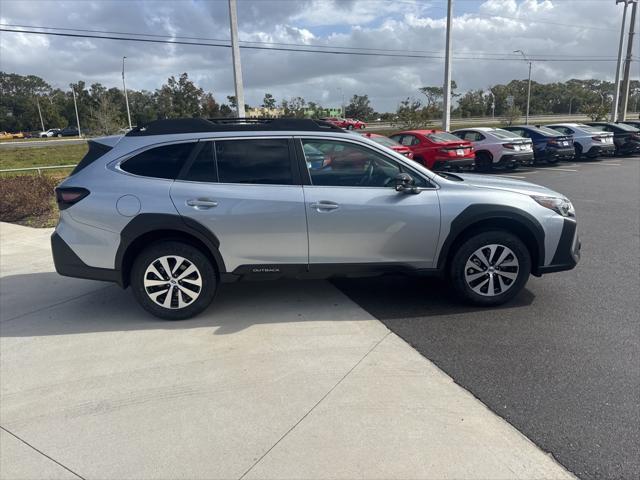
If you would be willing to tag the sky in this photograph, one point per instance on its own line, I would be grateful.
(483, 31)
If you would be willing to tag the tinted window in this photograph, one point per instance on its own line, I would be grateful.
(350, 165)
(203, 168)
(254, 161)
(159, 162)
(442, 137)
(500, 133)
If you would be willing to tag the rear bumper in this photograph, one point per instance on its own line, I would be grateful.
(67, 263)
(523, 158)
(594, 151)
(453, 164)
(567, 253)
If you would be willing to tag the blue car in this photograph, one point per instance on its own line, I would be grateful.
(548, 145)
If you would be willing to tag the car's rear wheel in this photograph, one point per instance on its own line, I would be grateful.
(483, 162)
(173, 280)
(578, 149)
(490, 268)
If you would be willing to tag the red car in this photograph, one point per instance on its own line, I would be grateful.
(346, 123)
(392, 144)
(437, 150)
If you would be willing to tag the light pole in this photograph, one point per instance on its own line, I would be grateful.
(616, 100)
(529, 87)
(570, 101)
(126, 97)
(627, 61)
(235, 56)
(40, 113)
(342, 104)
(446, 103)
(75, 105)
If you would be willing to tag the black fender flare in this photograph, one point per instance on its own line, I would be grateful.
(147, 223)
(482, 213)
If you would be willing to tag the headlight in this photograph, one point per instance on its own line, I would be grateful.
(561, 206)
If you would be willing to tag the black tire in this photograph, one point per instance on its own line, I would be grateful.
(206, 273)
(483, 162)
(578, 149)
(512, 166)
(463, 254)
(349, 127)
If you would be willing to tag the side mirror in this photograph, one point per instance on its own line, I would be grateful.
(406, 184)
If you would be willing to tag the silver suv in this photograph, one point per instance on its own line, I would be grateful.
(174, 208)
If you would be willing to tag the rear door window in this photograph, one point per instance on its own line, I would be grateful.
(255, 161)
(203, 168)
(159, 162)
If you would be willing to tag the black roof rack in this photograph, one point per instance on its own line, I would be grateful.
(197, 125)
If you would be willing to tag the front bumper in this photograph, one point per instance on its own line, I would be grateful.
(567, 253)
(68, 264)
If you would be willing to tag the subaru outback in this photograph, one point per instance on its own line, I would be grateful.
(177, 207)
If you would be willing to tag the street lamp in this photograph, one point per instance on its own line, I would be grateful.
(126, 98)
(342, 104)
(529, 87)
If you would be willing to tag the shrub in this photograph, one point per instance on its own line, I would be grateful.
(23, 196)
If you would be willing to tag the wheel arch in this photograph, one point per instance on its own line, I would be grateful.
(146, 229)
(479, 218)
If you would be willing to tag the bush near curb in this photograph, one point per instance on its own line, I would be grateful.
(24, 196)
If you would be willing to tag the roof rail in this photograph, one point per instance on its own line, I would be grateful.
(197, 125)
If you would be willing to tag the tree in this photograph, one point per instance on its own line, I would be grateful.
(294, 107)
(268, 101)
(359, 107)
(512, 115)
(179, 98)
(435, 96)
(411, 114)
(596, 111)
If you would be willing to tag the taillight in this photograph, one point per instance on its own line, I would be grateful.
(510, 146)
(552, 142)
(67, 196)
(597, 139)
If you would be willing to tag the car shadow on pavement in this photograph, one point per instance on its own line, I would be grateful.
(104, 307)
(391, 297)
(45, 303)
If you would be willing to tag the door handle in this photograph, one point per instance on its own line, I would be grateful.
(325, 205)
(202, 203)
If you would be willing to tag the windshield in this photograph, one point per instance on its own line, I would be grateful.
(442, 137)
(387, 142)
(626, 128)
(588, 128)
(500, 133)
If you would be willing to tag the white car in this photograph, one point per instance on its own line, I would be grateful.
(588, 141)
(496, 147)
(52, 132)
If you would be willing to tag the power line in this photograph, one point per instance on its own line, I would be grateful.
(304, 50)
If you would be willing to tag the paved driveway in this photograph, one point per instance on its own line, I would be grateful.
(276, 380)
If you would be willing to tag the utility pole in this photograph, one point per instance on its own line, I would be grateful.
(40, 113)
(126, 97)
(627, 63)
(529, 87)
(616, 99)
(446, 99)
(235, 55)
(75, 104)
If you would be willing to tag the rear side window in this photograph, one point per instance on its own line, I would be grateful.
(96, 150)
(159, 162)
(203, 168)
(254, 161)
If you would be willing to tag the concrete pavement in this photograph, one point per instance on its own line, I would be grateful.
(274, 380)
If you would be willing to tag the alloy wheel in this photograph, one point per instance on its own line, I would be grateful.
(491, 270)
(172, 282)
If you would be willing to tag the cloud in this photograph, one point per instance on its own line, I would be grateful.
(489, 29)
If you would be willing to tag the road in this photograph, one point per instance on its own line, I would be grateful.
(562, 362)
(41, 143)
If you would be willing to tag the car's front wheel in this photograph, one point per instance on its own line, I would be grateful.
(490, 268)
(173, 280)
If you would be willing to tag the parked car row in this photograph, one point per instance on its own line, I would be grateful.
(486, 148)
(346, 123)
(60, 132)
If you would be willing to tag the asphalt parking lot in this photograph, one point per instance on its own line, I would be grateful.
(562, 362)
